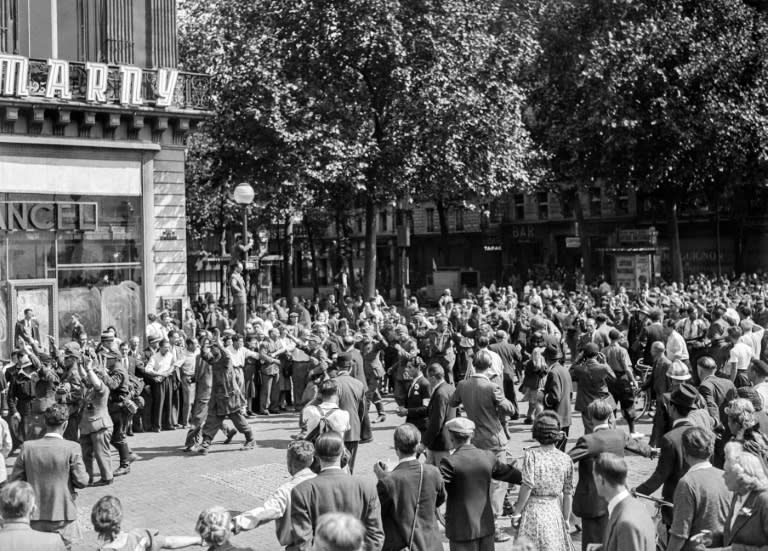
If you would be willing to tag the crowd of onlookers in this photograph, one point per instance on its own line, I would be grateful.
(455, 370)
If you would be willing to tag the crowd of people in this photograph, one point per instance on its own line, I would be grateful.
(698, 351)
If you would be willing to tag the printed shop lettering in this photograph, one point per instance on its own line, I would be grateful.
(27, 216)
(99, 77)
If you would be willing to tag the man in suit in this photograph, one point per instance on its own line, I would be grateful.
(557, 390)
(587, 503)
(351, 400)
(654, 332)
(436, 439)
(717, 393)
(592, 374)
(54, 467)
(333, 491)
(629, 524)
(17, 502)
(483, 402)
(671, 466)
(510, 359)
(410, 495)
(27, 328)
(468, 474)
(417, 399)
(239, 297)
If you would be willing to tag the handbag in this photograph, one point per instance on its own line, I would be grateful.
(416, 511)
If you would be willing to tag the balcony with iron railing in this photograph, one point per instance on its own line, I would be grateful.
(192, 92)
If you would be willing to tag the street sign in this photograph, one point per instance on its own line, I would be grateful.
(639, 235)
(572, 242)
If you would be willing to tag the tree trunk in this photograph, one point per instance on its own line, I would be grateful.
(674, 232)
(586, 248)
(313, 254)
(369, 270)
(442, 216)
(287, 283)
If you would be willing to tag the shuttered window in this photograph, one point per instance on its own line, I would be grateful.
(105, 31)
(162, 33)
(8, 27)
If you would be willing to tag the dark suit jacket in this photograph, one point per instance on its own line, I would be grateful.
(439, 412)
(482, 401)
(54, 467)
(18, 536)
(28, 335)
(670, 467)
(557, 393)
(334, 491)
(630, 527)
(717, 393)
(749, 529)
(587, 503)
(510, 357)
(351, 400)
(397, 495)
(418, 395)
(653, 333)
(467, 474)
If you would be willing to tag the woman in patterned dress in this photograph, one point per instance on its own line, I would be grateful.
(547, 490)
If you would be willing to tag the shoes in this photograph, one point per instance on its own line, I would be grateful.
(176, 427)
(514, 417)
(274, 411)
(230, 435)
(122, 470)
(500, 537)
(133, 457)
(637, 435)
(104, 482)
(203, 450)
(249, 445)
(129, 433)
(381, 418)
(264, 412)
(189, 449)
(249, 414)
(90, 481)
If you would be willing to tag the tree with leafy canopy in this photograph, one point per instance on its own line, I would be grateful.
(667, 97)
(377, 98)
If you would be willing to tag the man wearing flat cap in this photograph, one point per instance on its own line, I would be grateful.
(671, 466)
(468, 474)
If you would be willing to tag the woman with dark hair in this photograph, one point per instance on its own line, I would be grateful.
(544, 501)
(107, 519)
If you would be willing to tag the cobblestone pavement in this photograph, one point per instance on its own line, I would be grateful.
(168, 488)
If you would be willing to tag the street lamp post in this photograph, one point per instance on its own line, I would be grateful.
(243, 195)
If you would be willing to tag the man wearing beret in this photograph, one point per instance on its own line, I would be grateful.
(468, 474)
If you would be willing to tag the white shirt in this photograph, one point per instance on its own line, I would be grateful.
(737, 505)
(239, 355)
(338, 420)
(406, 459)
(277, 507)
(618, 498)
(676, 347)
(161, 365)
(741, 355)
(762, 390)
(754, 339)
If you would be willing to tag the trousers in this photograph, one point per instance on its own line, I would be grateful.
(480, 544)
(96, 446)
(213, 424)
(187, 397)
(118, 439)
(593, 530)
(269, 394)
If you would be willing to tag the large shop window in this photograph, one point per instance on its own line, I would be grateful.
(98, 270)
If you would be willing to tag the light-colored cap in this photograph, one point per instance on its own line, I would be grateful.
(460, 425)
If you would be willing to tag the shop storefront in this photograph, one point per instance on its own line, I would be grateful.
(92, 203)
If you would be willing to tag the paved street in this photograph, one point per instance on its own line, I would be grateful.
(168, 488)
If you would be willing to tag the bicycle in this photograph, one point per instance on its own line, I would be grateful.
(642, 374)
(662, 537)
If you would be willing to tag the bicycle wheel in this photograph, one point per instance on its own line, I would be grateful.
(642, 403)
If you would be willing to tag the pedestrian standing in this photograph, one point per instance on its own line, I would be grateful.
(239, 297)
(351, 400)
(96, 424)
(436, 438)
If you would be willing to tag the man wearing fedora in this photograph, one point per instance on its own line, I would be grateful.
(671, 465)
(468, 474)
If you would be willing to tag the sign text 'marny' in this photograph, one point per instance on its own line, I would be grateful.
(14, 81)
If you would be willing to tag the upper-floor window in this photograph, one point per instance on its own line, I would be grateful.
(519, 206)
(622, 204)
(595, 201)
(542, 203)
(8, 27)
(383, 221)
(459, 219)
(359, 221)
(105, 31)
(430, 219)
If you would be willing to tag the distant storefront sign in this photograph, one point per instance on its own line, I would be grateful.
(33, 216)
(572, 242)
(637, 236)
(524, 233)
(632, 270)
